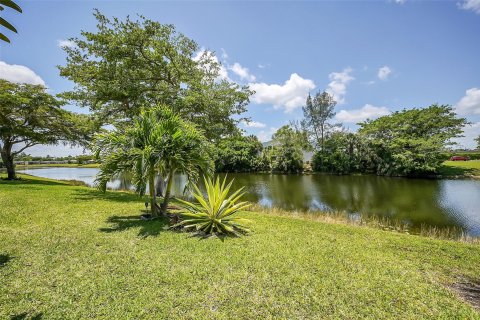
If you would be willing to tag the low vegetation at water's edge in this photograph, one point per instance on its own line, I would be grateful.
(73, 252)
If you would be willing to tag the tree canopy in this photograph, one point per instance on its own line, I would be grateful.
(126, 65)
(158, 142)
(410, 142)
(317, 113)
(30, 116)
(238, 154)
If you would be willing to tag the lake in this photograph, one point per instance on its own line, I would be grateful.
(441, 203)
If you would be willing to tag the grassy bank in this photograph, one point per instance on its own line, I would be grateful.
(461, 168)
(62, 165)
(69, 252)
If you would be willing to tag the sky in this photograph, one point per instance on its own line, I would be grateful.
(374, 57)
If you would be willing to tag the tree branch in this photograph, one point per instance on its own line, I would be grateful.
(28, 145)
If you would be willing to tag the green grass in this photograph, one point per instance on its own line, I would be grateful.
(62, 165)
(460, 168)
(69, 252)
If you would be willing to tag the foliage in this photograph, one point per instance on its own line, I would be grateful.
(30, 116)
(340, 154)
(477, 140)
(90, 247)
(5, 23)
(127, 65)
(411, 142)
(213, 214)
(158, 142)
(317, 112)
(238, 154)
(287, 153)
(473, 155)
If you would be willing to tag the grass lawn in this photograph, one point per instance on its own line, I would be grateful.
(61, 165)
(69, 252)
(460, 168)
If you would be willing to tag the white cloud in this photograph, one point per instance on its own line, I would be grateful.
(470, 132)
(253, 124)
(266, 135)
(242, 72)
(19, 74)
(472, 5)
(358, 115)
(399, 1)
(224, 54)
(384, 72)
(470, 103)
(338, 85)
(210, 56)
(65, 43)
(289, 96)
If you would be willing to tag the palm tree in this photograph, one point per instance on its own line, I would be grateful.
(5, 23)
(158, 142)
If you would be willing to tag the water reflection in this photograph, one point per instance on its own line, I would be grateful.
(443, 203)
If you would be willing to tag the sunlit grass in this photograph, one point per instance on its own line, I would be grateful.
(460, 168)
(60, 165)
(69, 252)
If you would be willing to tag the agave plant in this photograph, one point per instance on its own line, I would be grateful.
(213, 214)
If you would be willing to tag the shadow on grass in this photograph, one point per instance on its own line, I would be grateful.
(24, 180)
(4, 259)
(147, 227)
(455, 171)
(95, 194)
(25, 315)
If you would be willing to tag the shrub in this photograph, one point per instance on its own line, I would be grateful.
(213, 214)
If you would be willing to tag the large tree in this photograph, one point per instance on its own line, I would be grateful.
(411, 142)
(318, 113)
(238, 154)
(159, 141)
(124, 66)
(287, 151)
(30, 116)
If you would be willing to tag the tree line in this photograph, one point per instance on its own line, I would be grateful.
(411, 142)
(168, 111)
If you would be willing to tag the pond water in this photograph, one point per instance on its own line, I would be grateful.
(442, 203)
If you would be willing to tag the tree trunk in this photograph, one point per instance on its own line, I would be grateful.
(153, 197)
(7, 158)
(167, 192)
(160, 186)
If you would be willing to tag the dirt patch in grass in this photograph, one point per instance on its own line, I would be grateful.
(469, 291)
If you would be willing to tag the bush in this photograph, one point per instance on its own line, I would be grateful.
(213, 214)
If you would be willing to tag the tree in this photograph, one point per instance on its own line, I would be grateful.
(411, 142)
(287, 150)
(317, 112)
(128, 65)
(5, 23)
(477, 139)
(238, 154)
(158, 142)
(30, 116)
(340, 155)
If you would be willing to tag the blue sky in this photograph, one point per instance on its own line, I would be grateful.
(375, 57)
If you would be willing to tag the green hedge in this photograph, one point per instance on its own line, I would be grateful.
(474, 155)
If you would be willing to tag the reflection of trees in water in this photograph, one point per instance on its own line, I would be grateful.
(292, 192)
(414, 200)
